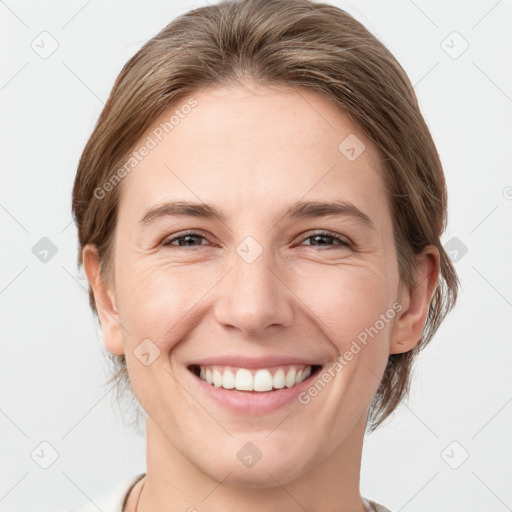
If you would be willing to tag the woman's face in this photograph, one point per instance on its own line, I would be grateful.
(256, 292)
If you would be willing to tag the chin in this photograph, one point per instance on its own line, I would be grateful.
(260, 476)
(255, 462)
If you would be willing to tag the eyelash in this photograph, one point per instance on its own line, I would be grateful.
(342, 241)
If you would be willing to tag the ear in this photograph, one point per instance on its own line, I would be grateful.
(408, 327)
(105, 301)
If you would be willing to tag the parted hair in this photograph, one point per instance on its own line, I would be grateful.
(279, 42)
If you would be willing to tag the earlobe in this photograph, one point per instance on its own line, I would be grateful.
(409, 326)
(105, 301)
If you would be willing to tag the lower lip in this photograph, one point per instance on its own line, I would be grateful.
(252, 402)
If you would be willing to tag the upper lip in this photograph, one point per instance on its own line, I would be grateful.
(243, 361)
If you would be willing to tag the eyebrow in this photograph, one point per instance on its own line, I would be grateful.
(299, 210)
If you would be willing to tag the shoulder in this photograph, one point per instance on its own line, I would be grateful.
(112, 501)
(372, 506)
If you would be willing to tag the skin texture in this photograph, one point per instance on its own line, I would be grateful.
(252, 150)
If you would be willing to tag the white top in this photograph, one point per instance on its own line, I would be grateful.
(114, 500)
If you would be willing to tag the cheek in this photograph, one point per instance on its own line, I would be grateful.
(346, 299)
(160, 298)
(357, 306)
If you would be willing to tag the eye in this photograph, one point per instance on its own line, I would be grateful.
(187, 239)
(184, 240)
(326, 235)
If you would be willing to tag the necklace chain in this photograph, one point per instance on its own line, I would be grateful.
(138, 497)
(142, 488)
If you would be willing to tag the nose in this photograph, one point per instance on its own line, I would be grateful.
(254, 297)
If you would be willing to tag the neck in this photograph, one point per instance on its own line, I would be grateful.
(174, 484)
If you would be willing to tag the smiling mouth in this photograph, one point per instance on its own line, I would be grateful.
(254, 380)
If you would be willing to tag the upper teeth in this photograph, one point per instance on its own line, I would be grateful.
(243, 379)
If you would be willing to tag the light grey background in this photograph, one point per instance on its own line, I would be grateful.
(51, 364)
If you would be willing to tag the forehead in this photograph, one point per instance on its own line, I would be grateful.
(248, 147)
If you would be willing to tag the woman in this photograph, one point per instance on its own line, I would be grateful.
(259, 211)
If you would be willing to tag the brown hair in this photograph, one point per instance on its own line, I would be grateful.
(283, 42)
